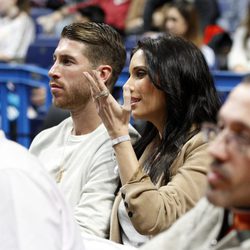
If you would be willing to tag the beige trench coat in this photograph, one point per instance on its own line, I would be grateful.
(154, 208)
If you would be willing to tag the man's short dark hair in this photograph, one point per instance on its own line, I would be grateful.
(104, 45)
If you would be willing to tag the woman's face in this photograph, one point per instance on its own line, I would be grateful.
(175, 22)
(147, 102)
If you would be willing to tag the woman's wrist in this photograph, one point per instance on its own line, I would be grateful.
(120, 139)
(117, 132)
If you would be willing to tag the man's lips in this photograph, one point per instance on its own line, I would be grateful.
(55, 85)
(55, 88)
(216, 178)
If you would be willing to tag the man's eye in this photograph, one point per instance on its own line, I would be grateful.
(243, 135)
(67, 62)
(220, 126)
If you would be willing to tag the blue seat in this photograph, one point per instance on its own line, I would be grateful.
(225, 81)
(24, 77)
(40, 52)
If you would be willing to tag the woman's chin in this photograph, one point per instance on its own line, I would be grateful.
(135, 115)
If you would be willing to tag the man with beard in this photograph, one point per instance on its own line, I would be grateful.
(78, 153)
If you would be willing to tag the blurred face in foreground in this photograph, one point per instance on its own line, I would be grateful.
(229, 177)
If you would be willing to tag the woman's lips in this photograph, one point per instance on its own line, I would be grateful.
(134, 100)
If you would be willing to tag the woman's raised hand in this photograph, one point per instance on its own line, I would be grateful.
(114, 116)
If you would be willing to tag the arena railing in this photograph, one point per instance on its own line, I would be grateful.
(24, 78)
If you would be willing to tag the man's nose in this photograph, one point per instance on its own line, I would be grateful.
(217, 148)
(53, 72)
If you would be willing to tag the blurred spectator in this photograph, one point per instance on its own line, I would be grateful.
(150, 7)
(221, 42)
(208, 12)
(181, 19)
(92, 13)
(232, 13)
(134, 19)
(115, 14)
(17, 30)
(239, 56)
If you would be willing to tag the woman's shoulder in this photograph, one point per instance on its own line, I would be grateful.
(195, 147)
(195, 140)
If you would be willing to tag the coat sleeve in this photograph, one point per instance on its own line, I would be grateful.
(153, 209)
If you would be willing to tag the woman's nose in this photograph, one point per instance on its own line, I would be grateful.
(129, 84)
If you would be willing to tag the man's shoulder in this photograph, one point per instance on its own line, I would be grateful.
(66, 123)
(52, 133)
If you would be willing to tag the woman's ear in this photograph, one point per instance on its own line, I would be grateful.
(105, 73)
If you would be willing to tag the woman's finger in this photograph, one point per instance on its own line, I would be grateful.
(92, 84)
(127, 98)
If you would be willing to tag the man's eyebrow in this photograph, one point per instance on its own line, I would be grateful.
(64, 56)
(235, 124)
(241, 125)
(67, 56)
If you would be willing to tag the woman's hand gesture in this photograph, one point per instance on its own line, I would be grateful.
(114, 116)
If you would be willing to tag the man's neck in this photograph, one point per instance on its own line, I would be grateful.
(85, 120)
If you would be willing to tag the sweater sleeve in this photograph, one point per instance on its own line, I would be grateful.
(153, 209)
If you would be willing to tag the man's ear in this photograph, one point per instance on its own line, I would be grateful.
(105, 73)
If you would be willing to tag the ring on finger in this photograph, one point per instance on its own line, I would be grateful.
(103, 93)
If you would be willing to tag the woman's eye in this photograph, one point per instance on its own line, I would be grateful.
(141, 73)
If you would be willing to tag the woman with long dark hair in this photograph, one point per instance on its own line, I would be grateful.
(164, 174)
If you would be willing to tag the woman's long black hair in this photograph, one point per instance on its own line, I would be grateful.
(178, 68)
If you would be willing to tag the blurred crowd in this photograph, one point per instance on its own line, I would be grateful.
(220, 28)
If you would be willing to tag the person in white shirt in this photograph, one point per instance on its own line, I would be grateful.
(239, 55)
(17, 30)
(78, 153)
(33, 214)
